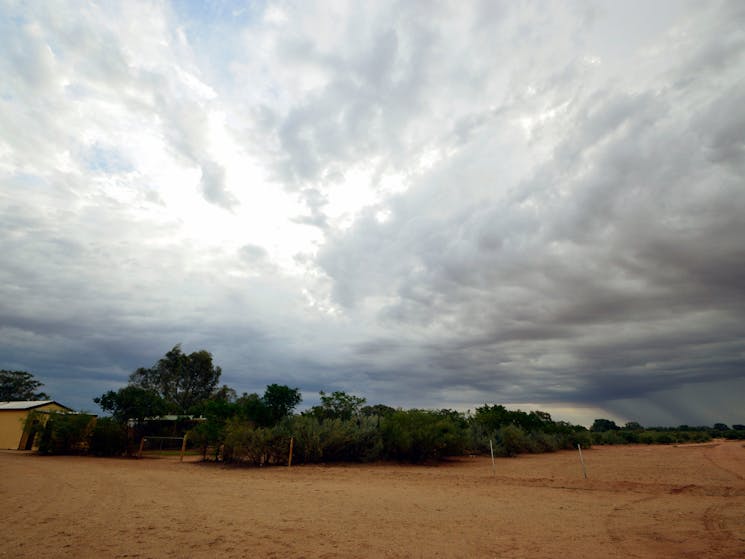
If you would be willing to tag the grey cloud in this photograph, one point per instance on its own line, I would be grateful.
(618, 275)
(574, 236)
(213, 185)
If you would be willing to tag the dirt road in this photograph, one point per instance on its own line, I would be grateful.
(639, 501)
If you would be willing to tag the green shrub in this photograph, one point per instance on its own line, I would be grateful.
(420, 435)
(577, 437)
(66, 433)
(478, 436)
(245, 443)
(354, 440)
(108, 438)
(541, 441)
(513, 440)
(306, 430)
(664, 438)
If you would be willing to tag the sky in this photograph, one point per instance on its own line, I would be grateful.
(427, 204)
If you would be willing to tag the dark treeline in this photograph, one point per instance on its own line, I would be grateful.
(605, 431)
(181, 395)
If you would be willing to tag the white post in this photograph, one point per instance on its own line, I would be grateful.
(493, 465)
(582, 460)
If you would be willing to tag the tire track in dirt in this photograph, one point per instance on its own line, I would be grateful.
(641, 531)
(723, 456)
(711, 515)
(626, 487)
(618, 536)
(726, 542)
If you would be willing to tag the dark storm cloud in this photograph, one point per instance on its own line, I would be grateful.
(616, 271)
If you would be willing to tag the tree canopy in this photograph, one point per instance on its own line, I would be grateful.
(602, 425)
(19, 386)
(132, 402)
(182, 381)
(338, 405)
(281, 400)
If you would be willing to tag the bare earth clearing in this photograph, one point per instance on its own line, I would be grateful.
(640, 501)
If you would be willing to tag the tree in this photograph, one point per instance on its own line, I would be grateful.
(380, 410)
(491, 418)
(132, 402)
(19, 385)
(281, 400)
(602, 425)
(338, 405)
(183, 381)
(251, 407)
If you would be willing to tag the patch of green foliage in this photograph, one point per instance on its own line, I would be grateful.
(64, 433)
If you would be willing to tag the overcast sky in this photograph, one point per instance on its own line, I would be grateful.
(428, 204)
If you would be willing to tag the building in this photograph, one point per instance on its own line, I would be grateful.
(14, 433)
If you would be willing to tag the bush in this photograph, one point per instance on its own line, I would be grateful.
(577, 437)
(109, 438)
(307, 432)
(512, 440)
(420, 435)
(478, 436)
(540, 441)
(333, 440)
(66, 433)
(245, 443)
(664, 438)
(608, 437)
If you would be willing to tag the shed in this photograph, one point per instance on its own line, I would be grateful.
(13, 432)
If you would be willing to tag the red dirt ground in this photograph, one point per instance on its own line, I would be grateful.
(639, 502)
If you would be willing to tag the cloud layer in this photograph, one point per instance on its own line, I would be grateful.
(425, 205)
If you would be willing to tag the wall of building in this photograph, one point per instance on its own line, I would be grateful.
(12, 423)
(11, 427)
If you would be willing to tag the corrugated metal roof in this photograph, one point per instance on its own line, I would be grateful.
(26, 405)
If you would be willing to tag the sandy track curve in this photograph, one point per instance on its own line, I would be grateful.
(639, 502)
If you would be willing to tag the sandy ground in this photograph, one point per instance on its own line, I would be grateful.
(639, 501)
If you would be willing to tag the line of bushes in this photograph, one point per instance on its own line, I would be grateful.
(649, 437)
(605, 431)
(341, 429)
(365, 434)
(77, 433)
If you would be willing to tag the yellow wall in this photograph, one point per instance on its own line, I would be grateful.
(12, 423)
(11, 427)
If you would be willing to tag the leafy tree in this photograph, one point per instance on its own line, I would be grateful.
(225, 394)
(251, 407)
(380, 410)
(132, 402)
(19, 385)
(338, 405)
(491, 418)
(281, 400)
(633, 426)
(602, 425)
(721, 427)
(183, 381)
